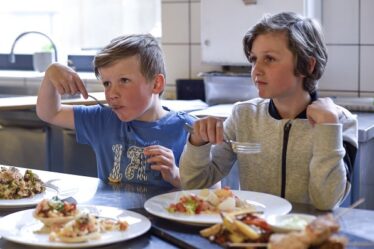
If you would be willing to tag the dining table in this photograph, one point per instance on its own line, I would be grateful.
(356, 224)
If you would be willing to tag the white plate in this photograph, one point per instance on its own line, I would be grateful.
(289, 222)
(28, 202)
(19, 227)
(269, 204)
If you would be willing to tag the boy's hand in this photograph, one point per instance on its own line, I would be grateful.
(65, 80)
(207, 130)
(322, 111)
(162, 159)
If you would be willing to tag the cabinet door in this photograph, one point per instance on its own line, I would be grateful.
(79, 159)
(224, 23)
(340, 21)
(24, 147)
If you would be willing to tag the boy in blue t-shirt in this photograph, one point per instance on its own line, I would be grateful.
(136, 139)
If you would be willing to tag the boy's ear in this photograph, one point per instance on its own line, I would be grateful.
(312, 64)
(159, 83)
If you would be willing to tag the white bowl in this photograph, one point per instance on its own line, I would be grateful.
(289, 222)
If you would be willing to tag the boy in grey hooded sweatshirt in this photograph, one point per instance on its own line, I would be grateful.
(308, 144)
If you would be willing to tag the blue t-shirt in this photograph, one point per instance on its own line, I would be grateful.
(119, 145)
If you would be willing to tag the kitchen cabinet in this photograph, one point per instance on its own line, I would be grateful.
(364, 167)
(222, 33)
(24, 140)
(79, 159)
(26, 147)
(29, 142)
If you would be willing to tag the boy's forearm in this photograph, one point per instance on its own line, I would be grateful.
(49, 101)
(327, 172)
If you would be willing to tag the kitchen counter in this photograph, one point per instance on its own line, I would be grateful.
(27, 83)
(14, 74)
(365, 126)
(29, 102)
(356, 224)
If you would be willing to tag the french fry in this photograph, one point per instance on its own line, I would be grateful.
(246, 230)
(213, 230)
(236, 237)
(244, 211)
(228, 222)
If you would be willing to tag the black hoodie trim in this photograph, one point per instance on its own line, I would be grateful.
(275, 114)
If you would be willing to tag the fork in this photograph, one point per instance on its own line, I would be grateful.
(237, 147)
(98, 101)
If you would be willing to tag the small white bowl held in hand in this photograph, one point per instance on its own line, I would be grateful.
(289, 222)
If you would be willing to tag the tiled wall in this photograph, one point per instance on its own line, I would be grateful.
(181, 42)
(349, 33)
(347, 26)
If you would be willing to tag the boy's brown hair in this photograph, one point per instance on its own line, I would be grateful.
(145, 46)
(305, 40)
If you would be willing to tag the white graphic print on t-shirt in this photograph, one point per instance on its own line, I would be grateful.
(137, 163)
(115, 175)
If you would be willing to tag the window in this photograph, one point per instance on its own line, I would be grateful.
(76, 26)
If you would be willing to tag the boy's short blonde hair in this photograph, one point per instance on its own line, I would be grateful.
(144, 46)
(305, 40)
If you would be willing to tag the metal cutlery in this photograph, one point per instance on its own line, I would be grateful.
(62, 193)
(98, 101)
(237, 147)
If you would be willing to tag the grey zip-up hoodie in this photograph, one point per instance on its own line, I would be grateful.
(299, 162)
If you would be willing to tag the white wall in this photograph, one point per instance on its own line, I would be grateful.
(181, 42)
(347, 26)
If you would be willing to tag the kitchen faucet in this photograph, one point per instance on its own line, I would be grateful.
(12, 57)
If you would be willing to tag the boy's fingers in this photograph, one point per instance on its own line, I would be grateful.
(159, 167)
(60, 89)
(158, 159)
(81, 87)
(219, 131)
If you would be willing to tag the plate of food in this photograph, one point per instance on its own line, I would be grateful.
(22, 189)
(203, 207)
(92, 226)
(55, 212)
(250, 231)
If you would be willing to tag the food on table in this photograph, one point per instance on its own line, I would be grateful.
(251, 231)
(318, 234)
(238, 227)
(289, 222)
(86, 227)
(108, 224)
(209, 201)
(64, 222)
(55, 212)
(83, 228)
(14, 185)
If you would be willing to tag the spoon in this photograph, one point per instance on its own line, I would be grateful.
(98, 101)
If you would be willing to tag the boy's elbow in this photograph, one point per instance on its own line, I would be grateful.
(44, 115)
(41, 115)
